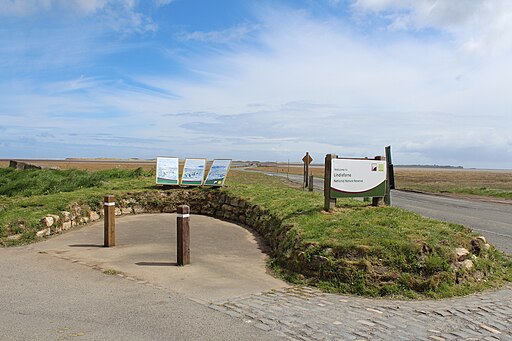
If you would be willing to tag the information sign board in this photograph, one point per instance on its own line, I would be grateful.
(167, 171)
(357, 178)
(218, 172)
(193, 172)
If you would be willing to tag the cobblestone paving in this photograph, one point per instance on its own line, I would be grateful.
(302, 313)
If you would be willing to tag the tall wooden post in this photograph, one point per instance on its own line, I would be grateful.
(109, 221)
(390, 177)
(376, 201)
(307, 159)
(183, 233)
(329, 203)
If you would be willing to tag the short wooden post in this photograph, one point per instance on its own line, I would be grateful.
(109, 221)
(310, 183)
(376, 201)
(183, 233)
(329, 203)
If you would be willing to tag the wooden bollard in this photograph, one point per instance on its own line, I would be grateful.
(183, 233)
(310, 183)
(109, 221)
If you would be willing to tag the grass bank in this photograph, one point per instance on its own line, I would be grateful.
(488, 183)
(356, 249)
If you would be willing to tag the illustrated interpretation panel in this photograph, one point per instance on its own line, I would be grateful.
(218, 172)
(167, 171)
(193, 172)
(357, 178)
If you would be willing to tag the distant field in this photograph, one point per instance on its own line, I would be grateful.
(460, 181)
(85, 164)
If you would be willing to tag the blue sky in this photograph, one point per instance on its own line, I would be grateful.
(257, 80)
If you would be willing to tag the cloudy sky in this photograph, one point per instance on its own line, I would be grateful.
(258, 80)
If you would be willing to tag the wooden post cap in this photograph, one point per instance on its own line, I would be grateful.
(109, 198)
(183, 209)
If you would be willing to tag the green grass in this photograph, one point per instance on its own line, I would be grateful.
(372, 251)
(362, 249)
(42, 182)
(29, 195)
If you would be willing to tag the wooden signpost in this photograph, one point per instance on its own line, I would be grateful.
(307, 159)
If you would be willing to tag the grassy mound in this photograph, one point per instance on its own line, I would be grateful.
(371, 251)
(357, 249)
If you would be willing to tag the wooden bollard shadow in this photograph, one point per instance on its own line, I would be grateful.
(156, 264)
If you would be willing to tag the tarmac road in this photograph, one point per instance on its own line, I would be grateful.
(491, 219)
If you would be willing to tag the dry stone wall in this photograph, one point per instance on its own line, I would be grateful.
(210, 202)
(285, 246)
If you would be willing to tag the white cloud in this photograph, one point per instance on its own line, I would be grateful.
(481, 26)
(233, 34)
(120, 15)
(305, 84)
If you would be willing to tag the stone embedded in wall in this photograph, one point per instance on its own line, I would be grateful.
(126, 210)
(227, 208)
(66, 225)
(56, 229)
(66, 216)
(93, 216)
(47, 221)
(14, 237)
(43, 232)
(118, 211)
(461, 254)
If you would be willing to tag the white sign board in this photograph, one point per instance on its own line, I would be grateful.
(356, 176)
(167, 171)
(193, 172)
(218, 172)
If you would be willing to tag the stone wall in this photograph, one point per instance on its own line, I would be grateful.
(210, 202)
(285, 246)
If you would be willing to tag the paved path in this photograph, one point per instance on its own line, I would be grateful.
(307, 314)
(47, 298)
(226, 259)
(56, 290)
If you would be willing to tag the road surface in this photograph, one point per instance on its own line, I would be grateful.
(491, 219)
